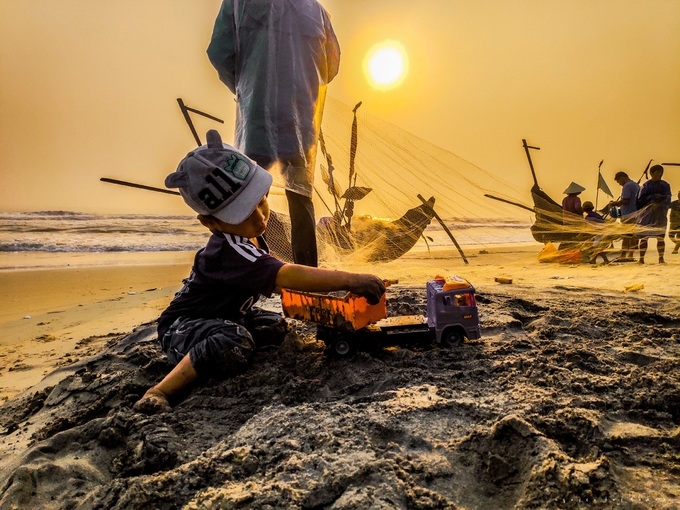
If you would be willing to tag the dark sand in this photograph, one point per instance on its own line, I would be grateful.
(571, 399)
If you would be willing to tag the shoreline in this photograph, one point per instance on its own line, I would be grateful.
(50, 316)
(25, 260)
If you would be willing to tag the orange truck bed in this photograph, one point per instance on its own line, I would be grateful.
(348, 312)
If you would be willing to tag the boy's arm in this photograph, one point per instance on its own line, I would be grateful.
(313, 279)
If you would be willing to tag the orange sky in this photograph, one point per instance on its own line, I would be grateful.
(88, 89)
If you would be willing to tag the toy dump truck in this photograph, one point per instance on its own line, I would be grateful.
(347, 321)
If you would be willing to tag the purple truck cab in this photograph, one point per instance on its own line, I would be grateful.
(452, 310)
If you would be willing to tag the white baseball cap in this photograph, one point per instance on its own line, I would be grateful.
(218, 180)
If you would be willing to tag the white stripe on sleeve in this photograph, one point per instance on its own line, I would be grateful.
(244, 247)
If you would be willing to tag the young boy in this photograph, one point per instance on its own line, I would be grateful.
(653, 203)
(204, 330)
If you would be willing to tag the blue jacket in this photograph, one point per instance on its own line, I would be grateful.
(277, 56)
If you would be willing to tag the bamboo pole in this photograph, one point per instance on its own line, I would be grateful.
(446, 229)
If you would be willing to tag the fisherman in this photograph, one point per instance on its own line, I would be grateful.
(628, 204)
(278, 58)
(572, 213)
(571, 204)
(211, 327)
(653, 203)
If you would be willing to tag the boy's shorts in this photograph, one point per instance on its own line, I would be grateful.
(219, 347)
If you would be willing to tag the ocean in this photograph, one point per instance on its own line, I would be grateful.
(68, 231)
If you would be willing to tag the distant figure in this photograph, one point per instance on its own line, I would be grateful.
(653, 203)
(598, 243)
(571, 205)
(278, 57)
(591, 215)
(628, 205)
(674, 229)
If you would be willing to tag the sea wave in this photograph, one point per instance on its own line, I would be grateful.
(70, 231)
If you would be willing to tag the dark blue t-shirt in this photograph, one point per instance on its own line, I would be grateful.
(227, 278)
(655, 216)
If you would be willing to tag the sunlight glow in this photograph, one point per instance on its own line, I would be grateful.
(386, 65)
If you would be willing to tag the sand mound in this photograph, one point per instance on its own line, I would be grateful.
(567, 401)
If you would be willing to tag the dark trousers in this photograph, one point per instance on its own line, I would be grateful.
(219, 347)
(303, 229)
(302, 220)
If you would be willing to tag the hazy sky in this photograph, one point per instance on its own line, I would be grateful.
(88, 89)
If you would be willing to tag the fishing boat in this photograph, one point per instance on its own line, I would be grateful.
(370, 238)
(550, 225)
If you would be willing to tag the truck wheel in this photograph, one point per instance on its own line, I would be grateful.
(452, 338)
(342, 347)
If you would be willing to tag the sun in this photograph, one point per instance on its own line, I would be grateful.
(386, 65)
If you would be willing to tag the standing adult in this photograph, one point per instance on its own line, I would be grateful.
(628, 205)
(653, 202)
(278, 56)
(674, 228)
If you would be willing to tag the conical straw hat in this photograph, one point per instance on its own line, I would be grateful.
(574, 188)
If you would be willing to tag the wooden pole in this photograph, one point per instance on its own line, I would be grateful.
(139, 186)
(185, 112)
(597, 188)
(511, 203)
(274, 190)
(531, 164)
(446, 229)
(645, 173)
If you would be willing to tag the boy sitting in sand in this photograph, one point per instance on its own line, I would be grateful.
(205, 329)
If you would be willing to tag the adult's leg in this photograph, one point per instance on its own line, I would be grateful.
(661, 248)
(675, 237)
(300, 209)
(630, 240)
(643, 250)
(634, 245)
(303, 229)
(627, 247)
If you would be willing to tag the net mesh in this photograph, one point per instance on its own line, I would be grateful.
(379, 191)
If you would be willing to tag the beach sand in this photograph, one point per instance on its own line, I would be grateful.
(570, 399)
(56, 308)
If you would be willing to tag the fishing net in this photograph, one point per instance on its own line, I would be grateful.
(381, 191)
(380, 175)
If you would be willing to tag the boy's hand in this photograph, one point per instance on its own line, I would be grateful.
(314, 279)
(369, 286)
